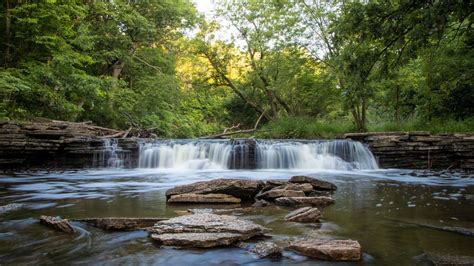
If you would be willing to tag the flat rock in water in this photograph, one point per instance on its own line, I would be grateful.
(334, 250)
(304, 201)
(57, 223)
(197, 240)
(304, 215)
(278, 193)
(11, 207)
(203, 198)
(316, 183)
(240, 188)
(204, 230)
(121, 224)
(305, 187)
(267, 250)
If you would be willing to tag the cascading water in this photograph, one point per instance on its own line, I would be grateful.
(335, 154)
(250, 154)
(111, 156)
(185, 155)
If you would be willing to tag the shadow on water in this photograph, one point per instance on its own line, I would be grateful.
(380, 208)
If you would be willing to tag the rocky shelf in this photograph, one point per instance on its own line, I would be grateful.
(57, 144)
(419, 150)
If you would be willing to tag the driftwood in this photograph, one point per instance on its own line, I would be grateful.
(452, 229)
(92, 130)
(226, 131)
(120, 223)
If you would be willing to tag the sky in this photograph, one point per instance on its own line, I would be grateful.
(205, 6)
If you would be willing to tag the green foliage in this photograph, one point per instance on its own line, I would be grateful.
(309, 68)
(304, 128)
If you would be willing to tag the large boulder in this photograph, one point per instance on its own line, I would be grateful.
(334, 250)
(203, 198)
(204, 230)
(304, 201)
(304, 215)
(278, 193)
(316, 183)
(240, 188)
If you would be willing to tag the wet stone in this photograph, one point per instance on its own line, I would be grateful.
(278, 193)
(204, 230)
(334, 250)
(203, 198)
(267, 250)
(304, 201)
(240, 188)
(316, 183)
(11, 207)
(57, 223)
(304, 215)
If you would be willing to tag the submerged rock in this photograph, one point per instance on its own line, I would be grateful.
(278, 193)
(11, 207)
(304, 215)
(335, 250)
(203, 198)
(57, 223)
(204, 230)
(261, 204)
(121, 224)
(240, 188)
(304, 201)
(316, 183)
(267, 250)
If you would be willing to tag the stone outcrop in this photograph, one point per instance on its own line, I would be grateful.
(204, 230)
(203, 198)
(334, 250)
(57, 223)
(119, 223)
(304, 215)
(316, 183)
(241, 188)
(419, 150)
(57, 144)
(304, 201)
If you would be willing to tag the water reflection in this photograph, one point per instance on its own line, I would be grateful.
(378, 208)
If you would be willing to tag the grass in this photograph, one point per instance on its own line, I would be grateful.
(310, 128)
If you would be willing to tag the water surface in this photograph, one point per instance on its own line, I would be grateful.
(379, 208)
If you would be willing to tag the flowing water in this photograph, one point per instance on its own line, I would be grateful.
(378, 207)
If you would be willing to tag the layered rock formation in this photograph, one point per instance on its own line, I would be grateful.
(419, 150)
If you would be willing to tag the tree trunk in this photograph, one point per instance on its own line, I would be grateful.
(7, 33)
(397, 105)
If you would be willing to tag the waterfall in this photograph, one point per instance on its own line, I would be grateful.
(334, 154)
(112, 155)
(260, 154)
(185, 154)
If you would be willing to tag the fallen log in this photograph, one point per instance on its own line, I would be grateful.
(120, 223)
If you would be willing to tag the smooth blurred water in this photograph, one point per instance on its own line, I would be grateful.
(376, 207)
(259, 154)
